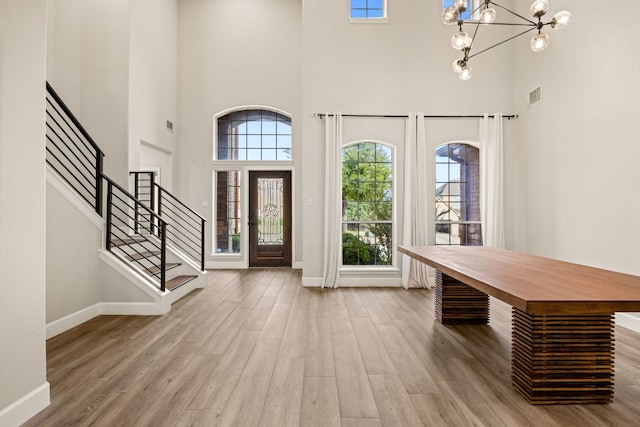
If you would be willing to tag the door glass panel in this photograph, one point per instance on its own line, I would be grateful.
(270, 209)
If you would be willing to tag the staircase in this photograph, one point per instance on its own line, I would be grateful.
(162, 251)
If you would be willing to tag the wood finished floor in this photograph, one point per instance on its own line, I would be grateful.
(255, 348)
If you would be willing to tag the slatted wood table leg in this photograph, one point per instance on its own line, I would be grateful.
(564, 359)
(457, 303)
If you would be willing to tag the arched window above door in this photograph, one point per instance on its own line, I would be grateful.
(254, 135)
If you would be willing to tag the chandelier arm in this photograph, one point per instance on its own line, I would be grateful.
(473, 39)
(513, 24)
(502, 42)
(477, 9)
(513, 13)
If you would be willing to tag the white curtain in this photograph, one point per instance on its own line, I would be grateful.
(415, 232)
(491, 181)
(332, 211)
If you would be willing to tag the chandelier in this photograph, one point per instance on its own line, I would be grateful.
(486, 14)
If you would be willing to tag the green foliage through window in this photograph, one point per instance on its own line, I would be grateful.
(367, 204)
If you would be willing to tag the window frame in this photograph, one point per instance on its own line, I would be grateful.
(240, 202)
(391, 268)
(219, 115)
(241, 259)
(369, 20)
(472, 5)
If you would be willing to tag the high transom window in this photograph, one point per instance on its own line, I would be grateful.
(458, 195)
(471, 6)
(254, 135)
(363, 9)
(367, 204)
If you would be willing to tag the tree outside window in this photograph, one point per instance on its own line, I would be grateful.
(367, 204)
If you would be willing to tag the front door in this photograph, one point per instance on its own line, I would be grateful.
(270, 219)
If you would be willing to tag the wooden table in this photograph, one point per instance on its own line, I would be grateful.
(562, 316)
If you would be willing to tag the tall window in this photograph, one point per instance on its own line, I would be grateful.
(254, 135)
(363, 9)
(458, 195)
(228, 212)
(367, 204)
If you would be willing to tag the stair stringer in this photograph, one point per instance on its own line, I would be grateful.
(124, 290)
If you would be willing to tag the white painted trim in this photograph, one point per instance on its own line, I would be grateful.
(370, 282)
(629, 321)
(356, 282)
(131, 308)
(26, 407)
(72, 197)
(102, 308)
(297, 265)
(72, 320)
(226, 265)
(312, 282)
(368, 20)
(155, 147)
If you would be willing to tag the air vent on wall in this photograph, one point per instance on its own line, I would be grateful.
(169, 125)
(534, 97)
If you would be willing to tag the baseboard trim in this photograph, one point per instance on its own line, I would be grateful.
(297, 265)
(225, 265)
(356, 282)
(72, 320)
(628, 321)
(370, 282)
(103, 308)
(130, 309)
(26, 407)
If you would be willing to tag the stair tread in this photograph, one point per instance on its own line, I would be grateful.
(141, 255)
(128, 241)
(168, 266)
(178, 281)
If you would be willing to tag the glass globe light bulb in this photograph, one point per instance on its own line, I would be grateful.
(460, 40)
(539, 8)
(458, 65)
(539, 42)
(561, 20)
(461, 5)
(488, 16)
(450, 15)
(465, 73)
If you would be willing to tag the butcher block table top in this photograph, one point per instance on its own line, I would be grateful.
(531, 283)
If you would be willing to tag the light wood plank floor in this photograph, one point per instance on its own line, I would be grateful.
(255, 348)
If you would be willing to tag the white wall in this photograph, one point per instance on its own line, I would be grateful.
(23, 387)
(74, 235)
(578, 148)
(578, 151)
(88, 65)
(393, 68)
(233, 53)
(153, 85)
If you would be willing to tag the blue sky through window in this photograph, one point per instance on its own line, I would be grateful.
(367, 9)
(467, 14)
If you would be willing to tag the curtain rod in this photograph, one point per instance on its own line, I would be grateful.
(321, 115)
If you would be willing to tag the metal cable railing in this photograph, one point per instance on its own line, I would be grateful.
(136, 232)
(185, 227)
(132, 235)
(72, 153)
